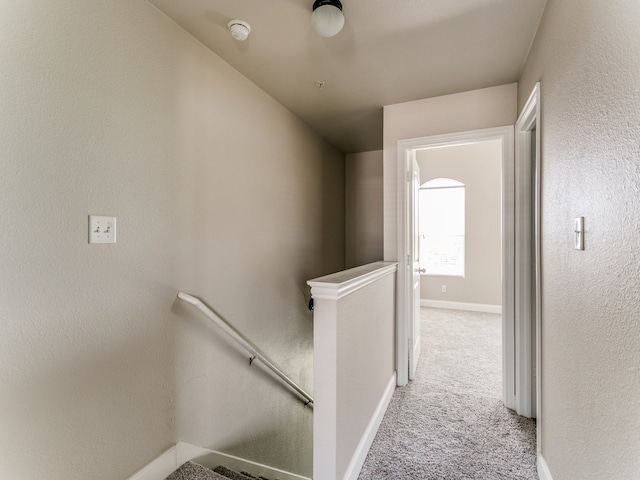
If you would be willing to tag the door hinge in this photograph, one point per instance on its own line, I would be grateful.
(409, 176)
(408, 260)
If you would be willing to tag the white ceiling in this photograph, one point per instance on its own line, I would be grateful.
(390, 51)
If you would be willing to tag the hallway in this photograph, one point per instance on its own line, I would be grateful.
(450, 423)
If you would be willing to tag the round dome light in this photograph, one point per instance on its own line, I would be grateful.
(327, 18)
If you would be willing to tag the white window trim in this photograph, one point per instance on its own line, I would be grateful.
(447, 184)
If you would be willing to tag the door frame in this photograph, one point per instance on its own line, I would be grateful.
(414, 343)
(406, 157)
(406, 151)
(528, 243)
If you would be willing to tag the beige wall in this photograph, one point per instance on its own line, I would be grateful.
(587, 58)
(478, 166)
(485, 108)
(363, 201)
(109, 108)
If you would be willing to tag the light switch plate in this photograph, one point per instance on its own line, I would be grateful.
(579, 233)
(102, 229)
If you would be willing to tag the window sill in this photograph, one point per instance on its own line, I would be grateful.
(448, 275)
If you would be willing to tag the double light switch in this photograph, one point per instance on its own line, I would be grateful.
(102, 229)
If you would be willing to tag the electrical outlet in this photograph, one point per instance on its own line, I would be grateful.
(102, 229)
(444, 289)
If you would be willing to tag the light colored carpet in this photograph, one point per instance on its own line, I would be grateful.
(450, 423)
(193, 471)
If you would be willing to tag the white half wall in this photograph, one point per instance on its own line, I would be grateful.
(354, 364)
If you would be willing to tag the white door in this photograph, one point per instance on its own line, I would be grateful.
(414, 272)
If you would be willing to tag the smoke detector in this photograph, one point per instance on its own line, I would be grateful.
(240, 30)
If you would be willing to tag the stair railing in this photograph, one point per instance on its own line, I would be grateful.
(255, 352)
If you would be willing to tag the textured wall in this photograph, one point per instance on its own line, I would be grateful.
(479, 167)
(485, 108)
(109, 108)
(587, 58)
(363, 202)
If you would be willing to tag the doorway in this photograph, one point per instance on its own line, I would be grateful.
(521, 255)
(406, 325)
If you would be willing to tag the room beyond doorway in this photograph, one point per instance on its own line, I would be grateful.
(407, 152)
(475, 239)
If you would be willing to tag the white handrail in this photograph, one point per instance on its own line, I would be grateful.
(255, 352)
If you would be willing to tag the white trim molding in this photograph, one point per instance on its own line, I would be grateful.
(543, 469)
(360, 455)
(527, 258)
(160, 467)
(469, 307)
(169, 461)
(341, 284)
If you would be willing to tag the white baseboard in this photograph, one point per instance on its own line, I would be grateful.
(212, 459)
(160, 467)
(470, 307)
(360, 455)
(543, 469)
(166, 463)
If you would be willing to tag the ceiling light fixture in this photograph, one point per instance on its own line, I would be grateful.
(240, 30)
(327, 18)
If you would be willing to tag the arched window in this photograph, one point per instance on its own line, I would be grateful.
(442, 227)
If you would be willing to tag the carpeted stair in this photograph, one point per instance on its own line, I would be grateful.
(193, 471)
